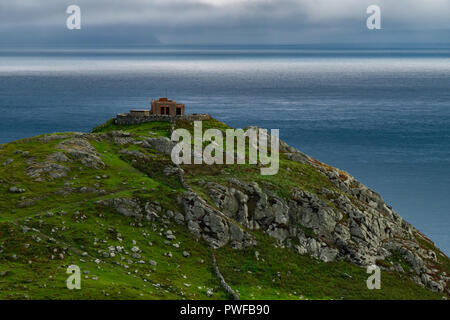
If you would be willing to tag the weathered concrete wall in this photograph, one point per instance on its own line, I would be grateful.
(129, 119)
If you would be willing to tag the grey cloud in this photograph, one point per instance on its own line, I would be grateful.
(232, 21)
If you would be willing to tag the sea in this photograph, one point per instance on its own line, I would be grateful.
(383, 115)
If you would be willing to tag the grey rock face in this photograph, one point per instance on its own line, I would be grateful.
(58, 157)
(131, 208)
(7, 162)
(212, 225)
(161, 144)
(361, 232)
(82, 150)
(16, 190)
(46, 171)
(134, 153)
(168, 171)
(121, 137)
(49, 169)
(232, 202)
(328, 254)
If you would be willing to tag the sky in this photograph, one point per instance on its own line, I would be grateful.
(149, 22)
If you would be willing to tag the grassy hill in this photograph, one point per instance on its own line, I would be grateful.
(53, 190)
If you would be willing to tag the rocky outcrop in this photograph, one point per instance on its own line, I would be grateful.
(132, 208)
(80, 149)
(49, 169)
(72, 148)
(201, 219)
(212, 225)
(161, 144)
(358, 227)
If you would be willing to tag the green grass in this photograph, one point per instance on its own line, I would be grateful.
(112, 278)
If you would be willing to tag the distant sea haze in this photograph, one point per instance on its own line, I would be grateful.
(381, 115)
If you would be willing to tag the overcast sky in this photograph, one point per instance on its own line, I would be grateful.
(143, 22)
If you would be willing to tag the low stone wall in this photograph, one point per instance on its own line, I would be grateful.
(126, 118)
(223, 283)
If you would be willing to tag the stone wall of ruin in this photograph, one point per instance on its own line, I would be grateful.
(129, 119)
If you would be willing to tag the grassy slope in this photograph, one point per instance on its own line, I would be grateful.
(76, 225)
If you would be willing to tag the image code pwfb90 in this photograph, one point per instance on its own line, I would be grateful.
(224, 159)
